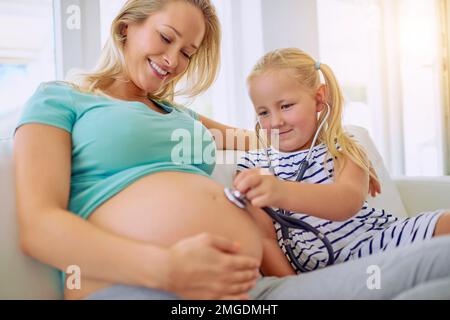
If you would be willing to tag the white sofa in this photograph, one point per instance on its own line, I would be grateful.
(22, 277)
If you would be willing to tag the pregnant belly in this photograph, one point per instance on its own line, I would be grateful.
(165, 207)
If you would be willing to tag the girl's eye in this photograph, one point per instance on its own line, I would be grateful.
(165, 39)
(286, 106)
(263, 114)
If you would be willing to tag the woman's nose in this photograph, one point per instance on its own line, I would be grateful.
(171, 59)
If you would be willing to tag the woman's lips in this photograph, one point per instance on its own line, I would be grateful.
(155, 72)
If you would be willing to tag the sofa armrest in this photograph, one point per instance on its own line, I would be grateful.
(421, 194)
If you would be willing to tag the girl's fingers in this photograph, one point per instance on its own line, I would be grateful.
(247, 183)
(259, 202)
(245, 175)
(242, 175)
(254, 193)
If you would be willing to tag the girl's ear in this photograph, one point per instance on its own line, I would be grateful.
(320, 98)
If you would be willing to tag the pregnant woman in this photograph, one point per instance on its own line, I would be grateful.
(111, 177)
(98, 186)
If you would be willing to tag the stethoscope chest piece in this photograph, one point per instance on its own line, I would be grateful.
(235, 197)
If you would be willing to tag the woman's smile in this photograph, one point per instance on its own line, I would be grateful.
(158, 71)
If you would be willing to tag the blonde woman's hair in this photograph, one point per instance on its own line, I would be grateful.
(198, 77)
(306, 71)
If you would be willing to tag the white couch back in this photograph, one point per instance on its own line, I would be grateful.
(22, 277)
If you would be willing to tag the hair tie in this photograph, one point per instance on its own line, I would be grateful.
(317, 65)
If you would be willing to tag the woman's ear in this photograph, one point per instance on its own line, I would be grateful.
(124, 30)
(320, 98)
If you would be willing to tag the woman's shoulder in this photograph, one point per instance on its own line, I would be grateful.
(51, 104)
(59, 90)
(64, 92)
(56, 85)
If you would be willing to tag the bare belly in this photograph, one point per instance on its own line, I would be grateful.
(165, 207)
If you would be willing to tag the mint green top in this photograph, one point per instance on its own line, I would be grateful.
(116, 142)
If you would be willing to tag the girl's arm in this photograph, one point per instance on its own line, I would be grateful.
(338, 201)
(274, 262)
(230, 138)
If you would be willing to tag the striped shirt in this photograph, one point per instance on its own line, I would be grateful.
(370, 230)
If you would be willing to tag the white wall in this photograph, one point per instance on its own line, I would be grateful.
(290, 23)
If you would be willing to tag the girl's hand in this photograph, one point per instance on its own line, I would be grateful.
(260, 187)
(209, 267)
(374, 185)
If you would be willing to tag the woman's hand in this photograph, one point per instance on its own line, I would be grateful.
(260, 187)
(210, 267)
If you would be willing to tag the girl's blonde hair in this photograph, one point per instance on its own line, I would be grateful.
(306, 72)
(203, 66)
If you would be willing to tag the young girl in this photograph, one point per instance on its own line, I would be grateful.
(288, 96)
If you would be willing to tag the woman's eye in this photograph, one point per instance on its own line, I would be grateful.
(165, 39)
(263, 114)
(186, 55)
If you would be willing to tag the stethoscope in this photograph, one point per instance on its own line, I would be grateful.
(282, 216)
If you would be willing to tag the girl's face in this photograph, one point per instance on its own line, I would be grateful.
(285, 109)
(159, 49)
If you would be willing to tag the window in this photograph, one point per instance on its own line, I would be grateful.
(386, 56)
(26, 55)
(227, 100)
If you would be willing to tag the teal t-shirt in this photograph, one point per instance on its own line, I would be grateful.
(116, 142)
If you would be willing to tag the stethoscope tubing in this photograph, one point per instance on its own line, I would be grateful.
(285, 221)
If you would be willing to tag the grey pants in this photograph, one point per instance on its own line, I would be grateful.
(418, 271)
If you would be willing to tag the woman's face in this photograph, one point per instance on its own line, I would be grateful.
(160, 48)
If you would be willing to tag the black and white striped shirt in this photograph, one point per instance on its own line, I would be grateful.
(369, 231)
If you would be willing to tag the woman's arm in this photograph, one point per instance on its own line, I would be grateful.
(338, 201)
(55, 236)
(230, 138)
(203, 266)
